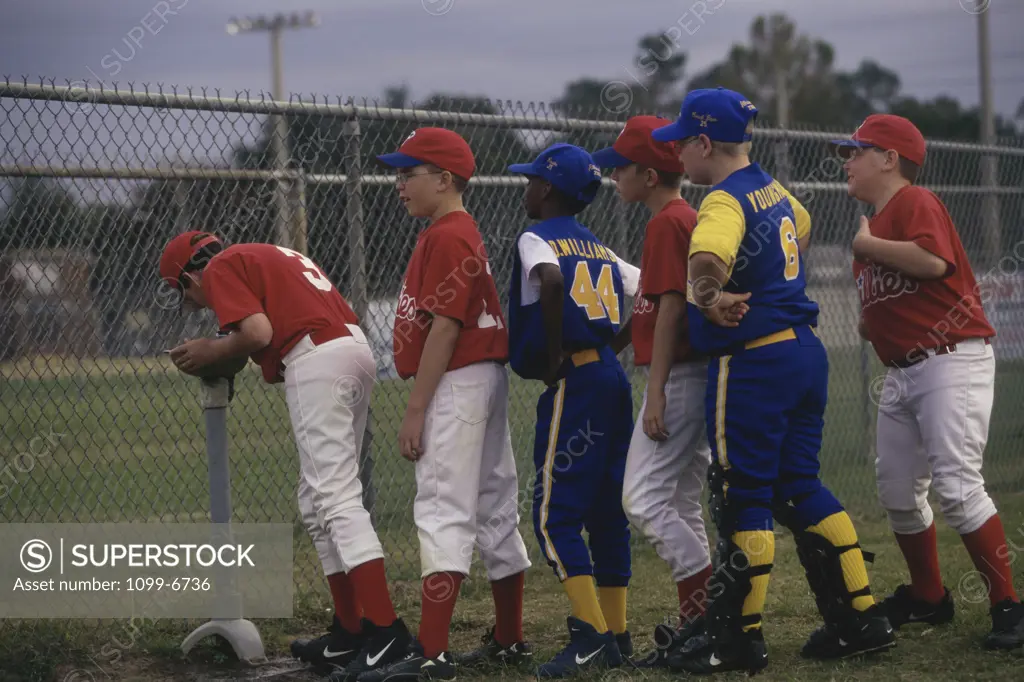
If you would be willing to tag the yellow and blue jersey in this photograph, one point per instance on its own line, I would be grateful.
(754, 226)
(593, 306)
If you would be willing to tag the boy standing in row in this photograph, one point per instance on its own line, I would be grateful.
(669, 453)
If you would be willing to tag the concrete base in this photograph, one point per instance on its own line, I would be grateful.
(242, 635)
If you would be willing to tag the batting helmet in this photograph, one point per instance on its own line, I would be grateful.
(179, 255)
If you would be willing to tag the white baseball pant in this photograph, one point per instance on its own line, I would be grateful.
(467, 490)
(661, 493)
(327, 388)
(932, 427)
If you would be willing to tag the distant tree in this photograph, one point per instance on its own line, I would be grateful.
(783, 72)
(41, 215)
(652, 85)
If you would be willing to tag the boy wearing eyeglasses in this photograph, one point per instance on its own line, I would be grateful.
(450, 334)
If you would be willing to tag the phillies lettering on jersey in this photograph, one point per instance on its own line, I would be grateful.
(449, 274)
(877, 283)
(641, 304)
(904, 316)
(286, 286)
(406, 306)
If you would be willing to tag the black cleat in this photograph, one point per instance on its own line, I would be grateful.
(412, 667)
(1007, 626)
(335, 649)
(700, 656)
(866, 632)
(494, 654)
(902, 608)
(381, 647)
(588, 650)
(668, 644)
(625, 642)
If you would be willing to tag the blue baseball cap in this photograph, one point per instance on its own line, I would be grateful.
(720, 114)
(567, 167)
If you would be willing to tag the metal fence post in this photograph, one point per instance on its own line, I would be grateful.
(357, 290)
(298, 215)
(280, 154)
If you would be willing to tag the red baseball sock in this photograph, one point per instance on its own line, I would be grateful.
(693, 595)
(987, 547)
(371, 583)
(508, 609)
(921, 553)
(440, 590)
(346, 603)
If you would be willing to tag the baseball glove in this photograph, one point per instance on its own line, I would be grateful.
(225, 369)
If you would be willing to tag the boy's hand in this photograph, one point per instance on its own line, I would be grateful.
(728, 310)
(654, 416)
(193, 355)
(551, 374)
(863, 235)
(410, 434)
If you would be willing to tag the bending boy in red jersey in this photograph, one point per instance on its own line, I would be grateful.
(921, 310)
(288, 316)
(451, 336)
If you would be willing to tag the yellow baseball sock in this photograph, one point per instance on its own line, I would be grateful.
(839, 531)
(613, 606)
(759, 546)
(583, 597)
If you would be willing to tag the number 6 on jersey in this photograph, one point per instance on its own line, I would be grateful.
(790, 248)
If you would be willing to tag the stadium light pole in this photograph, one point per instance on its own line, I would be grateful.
(276, 25)
(990, 211)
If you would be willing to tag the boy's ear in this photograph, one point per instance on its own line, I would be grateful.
(545, 189)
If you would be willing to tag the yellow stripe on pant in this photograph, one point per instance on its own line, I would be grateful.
(549, 462)
(723, 381)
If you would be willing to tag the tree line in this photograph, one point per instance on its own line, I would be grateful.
(777, 60)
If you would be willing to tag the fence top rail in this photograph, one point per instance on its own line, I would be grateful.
(528, 116)
(86, 172)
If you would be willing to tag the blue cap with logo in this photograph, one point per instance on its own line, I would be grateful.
(720, 114)
(567, 167)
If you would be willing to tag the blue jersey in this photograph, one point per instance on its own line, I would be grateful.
(755, 212)
(593, 305)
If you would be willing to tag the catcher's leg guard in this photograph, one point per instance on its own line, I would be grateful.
(731, 638)
(847, 631)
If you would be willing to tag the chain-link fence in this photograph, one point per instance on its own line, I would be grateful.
(98, 426)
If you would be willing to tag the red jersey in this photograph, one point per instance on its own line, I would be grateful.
(449, 274)
(286, 286)
(662, 270)
(903, 315)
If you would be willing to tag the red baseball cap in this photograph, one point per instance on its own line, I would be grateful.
(443, 148)
(887, 131)
(635, 145)
(179, 251)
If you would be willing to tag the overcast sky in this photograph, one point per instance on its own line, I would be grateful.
(520, 50)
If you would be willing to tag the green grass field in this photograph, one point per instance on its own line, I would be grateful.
(122, 441)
